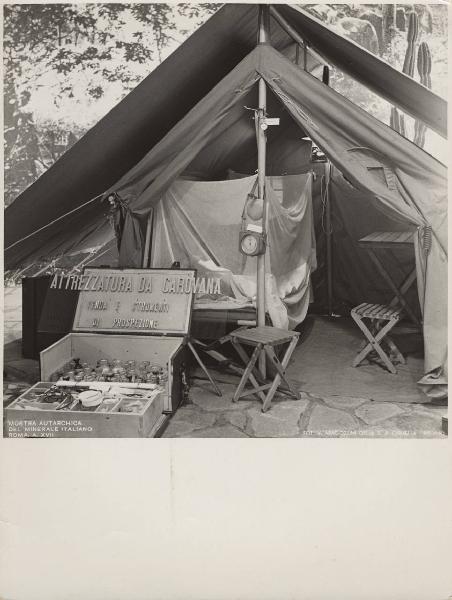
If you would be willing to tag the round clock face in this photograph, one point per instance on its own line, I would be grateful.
(249, 244)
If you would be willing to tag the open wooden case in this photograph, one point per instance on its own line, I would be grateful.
(125, 315)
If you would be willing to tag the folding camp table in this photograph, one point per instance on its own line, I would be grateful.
(392, 240)
(264, 340)
(383, 318)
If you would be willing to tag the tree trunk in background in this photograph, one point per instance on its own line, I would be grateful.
(388, 11)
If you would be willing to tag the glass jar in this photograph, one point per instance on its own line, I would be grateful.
(117, 366)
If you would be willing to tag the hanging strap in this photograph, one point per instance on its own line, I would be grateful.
(264, 215)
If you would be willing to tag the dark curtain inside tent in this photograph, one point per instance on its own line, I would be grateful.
(354, 275)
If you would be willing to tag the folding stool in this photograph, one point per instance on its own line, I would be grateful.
(264, 340)
(377, 332)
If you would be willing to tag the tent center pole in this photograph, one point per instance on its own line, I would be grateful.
(328, 233)
(261, 159)
(264, 18)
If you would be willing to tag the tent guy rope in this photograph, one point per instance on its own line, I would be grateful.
(53, 222)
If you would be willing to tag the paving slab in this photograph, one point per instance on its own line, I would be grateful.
(280, 421)
(331, 421)
(187, 419)
(343, 402)
(377, 412)
(422, 425)
(207, 400)
(226, 431)
(265, 425)
(236, 418)
(178, 429)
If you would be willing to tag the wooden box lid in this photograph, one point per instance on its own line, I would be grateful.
(144, 301)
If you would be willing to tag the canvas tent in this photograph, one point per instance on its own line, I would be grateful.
(209, 131)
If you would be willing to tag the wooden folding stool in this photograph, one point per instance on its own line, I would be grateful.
(377, 332)
(264, 340)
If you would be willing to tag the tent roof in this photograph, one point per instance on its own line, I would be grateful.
(142, 119)
(336, 124)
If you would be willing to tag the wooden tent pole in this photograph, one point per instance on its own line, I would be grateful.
(261, 160)
(291, 32)
(328, 232)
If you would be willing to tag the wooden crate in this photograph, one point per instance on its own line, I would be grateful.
(20, 422)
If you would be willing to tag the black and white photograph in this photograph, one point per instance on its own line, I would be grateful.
(225, 301)
(225, 220)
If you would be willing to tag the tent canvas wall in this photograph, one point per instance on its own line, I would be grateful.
(358, 145)
(198, 223)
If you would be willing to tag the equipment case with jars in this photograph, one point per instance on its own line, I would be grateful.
(128, 342)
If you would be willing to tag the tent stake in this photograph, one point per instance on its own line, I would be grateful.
(264, 17)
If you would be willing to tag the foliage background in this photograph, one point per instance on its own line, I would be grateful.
(67, 65)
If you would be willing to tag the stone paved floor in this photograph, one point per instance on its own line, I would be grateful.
(311, 416)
